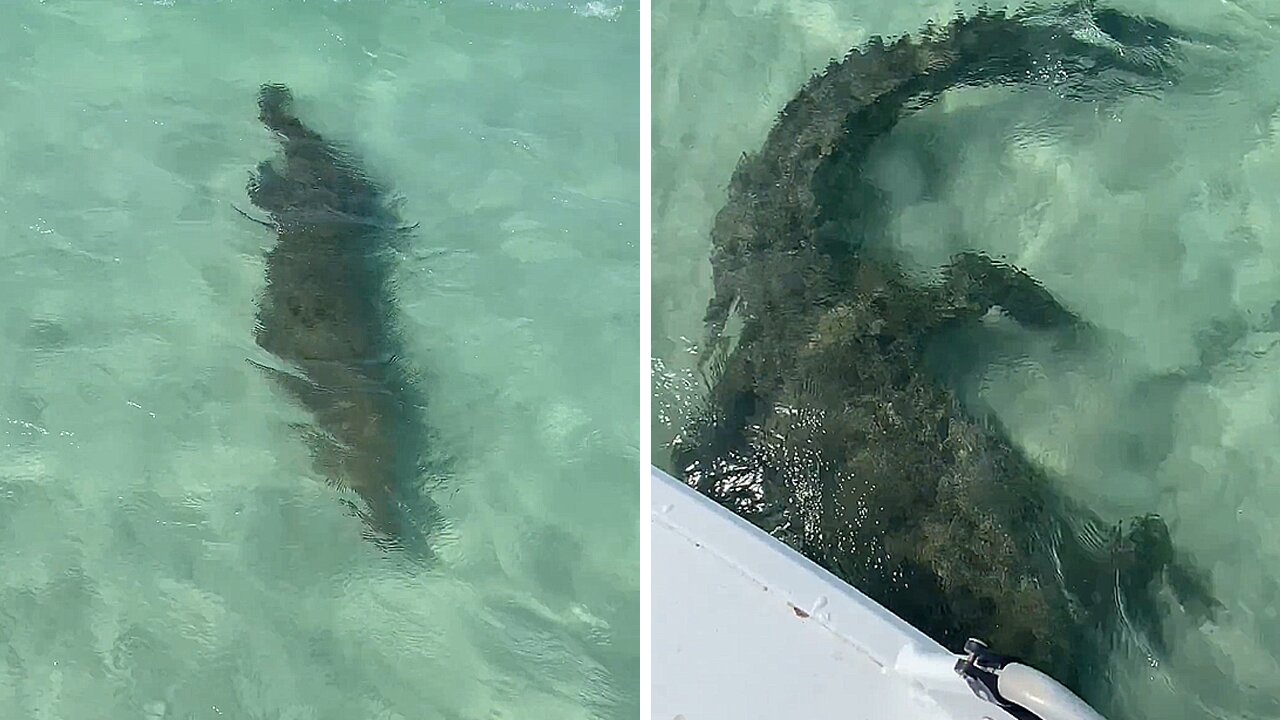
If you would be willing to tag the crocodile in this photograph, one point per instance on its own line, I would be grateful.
(327, 315)
(825, 424)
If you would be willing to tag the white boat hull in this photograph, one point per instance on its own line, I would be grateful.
(744, 627)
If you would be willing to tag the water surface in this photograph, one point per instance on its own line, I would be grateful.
(1154, 217)
(167, 548)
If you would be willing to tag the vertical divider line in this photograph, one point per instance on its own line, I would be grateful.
(646, 364)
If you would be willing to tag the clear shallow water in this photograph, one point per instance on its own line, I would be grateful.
(167, 549)
(1155, 220)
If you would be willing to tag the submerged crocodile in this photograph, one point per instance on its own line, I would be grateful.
(823, 422)
(326, 312)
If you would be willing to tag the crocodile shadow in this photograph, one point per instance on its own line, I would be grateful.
(823, 422)
(327, 313)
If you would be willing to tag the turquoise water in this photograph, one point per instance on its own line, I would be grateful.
(167, 549)
(1156, 219)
